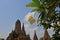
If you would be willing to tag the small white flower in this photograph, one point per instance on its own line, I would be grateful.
(53, 24)
(59, 32)
(58, 23)
(46, 22)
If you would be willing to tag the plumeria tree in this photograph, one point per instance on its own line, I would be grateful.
(48, 15)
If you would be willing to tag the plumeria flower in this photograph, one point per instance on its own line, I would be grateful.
(30, 17)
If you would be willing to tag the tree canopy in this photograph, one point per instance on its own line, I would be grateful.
(49, 16)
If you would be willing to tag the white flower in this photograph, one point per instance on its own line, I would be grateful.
(46, 22)
(58, 23)
(59, 32)
(53, 24)
(30, 17)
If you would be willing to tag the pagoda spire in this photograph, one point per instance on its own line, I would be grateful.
(18, 25)
(28, 37)
(35, 36)
(46, 35)
(23, 29)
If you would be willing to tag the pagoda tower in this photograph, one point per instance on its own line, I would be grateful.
(18, 26)
(23, 29)
(46, 35)
(35, 36)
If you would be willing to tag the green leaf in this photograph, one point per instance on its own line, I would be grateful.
(59, 1)
(34, 10)
(46, 11)
(32, 4)
(36, 1)
(43, 0)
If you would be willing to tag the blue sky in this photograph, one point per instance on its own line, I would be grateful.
(10, 11)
